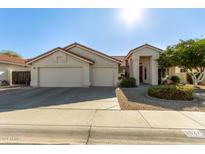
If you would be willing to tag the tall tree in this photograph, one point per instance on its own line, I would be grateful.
(188, 54)
(10, 53)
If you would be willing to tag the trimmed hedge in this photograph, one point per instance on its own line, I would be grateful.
(127, 82)
(171, 92)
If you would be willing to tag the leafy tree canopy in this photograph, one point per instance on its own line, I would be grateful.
(10, 53)
(187, 54)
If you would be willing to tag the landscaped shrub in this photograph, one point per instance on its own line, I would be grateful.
(171, 92)
(128, 82)
(122, 76)
(4, 83)
(175, 79)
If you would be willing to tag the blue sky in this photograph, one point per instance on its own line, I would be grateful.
(31, 32)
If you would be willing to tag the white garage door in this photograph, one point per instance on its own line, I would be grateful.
(60, 77)
(102, 77)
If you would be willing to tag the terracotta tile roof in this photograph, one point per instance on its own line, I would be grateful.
(31, 59)
(122, 59)
(80, 56)
(11, 59)
(73, 45)
(48, 53)
(100, 53)
(144, 45)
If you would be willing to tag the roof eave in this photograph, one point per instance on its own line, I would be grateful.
(142, 46)
(13, 63)
(97, 52)
(54, 50)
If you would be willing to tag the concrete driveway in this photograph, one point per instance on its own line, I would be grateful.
(60, 98)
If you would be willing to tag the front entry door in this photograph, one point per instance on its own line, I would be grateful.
(141, 74)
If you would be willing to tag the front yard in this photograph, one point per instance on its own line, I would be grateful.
(138, 99)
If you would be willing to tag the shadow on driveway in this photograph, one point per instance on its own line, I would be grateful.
(45, 97)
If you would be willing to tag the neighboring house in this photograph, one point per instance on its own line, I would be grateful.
(74, 66)
(14, 70)
(181, 73)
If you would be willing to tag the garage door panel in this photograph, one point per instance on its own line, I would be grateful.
(60, 77)
(102, 76)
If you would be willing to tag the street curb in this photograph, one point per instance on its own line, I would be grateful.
(13, 134)
(141, 136)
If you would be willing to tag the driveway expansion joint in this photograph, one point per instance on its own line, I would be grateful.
(145, 119)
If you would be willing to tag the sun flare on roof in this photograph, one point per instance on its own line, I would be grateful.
(131, 15)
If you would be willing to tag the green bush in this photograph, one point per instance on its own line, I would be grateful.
(175, 79)
(171, 92)
(128, 82)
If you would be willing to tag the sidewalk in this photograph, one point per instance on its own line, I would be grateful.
(70, 126)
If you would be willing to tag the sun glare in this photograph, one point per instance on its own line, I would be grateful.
(131, 15)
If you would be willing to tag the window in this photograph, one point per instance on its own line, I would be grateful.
(145, 73)
(182, 70)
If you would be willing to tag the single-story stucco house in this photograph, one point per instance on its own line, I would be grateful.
(79, 66)
(74, 66)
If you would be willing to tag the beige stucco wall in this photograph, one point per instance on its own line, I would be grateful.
(59, 59)
(6, 71)
(100, 62)
(145, 52)
(130, 67)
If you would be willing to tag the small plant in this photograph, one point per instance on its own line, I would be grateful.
(171, 92)
(175, 79)
(127, 82)
(4, 83)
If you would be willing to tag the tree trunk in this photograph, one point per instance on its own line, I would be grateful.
(195, 83)
(198, 79)
(194, 79)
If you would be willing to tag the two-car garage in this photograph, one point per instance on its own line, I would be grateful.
(76, 67)
(72, 77)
